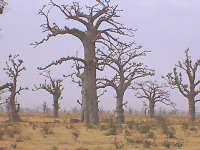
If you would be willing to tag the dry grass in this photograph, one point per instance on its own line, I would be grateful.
(42, 132)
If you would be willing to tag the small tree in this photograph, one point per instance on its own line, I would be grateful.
(191, 89)
(13, 69)
(55, 88)
(2, 6)
(45, 108)
(154, 93)
(123, 61)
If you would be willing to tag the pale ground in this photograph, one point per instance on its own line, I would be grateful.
(30, 136)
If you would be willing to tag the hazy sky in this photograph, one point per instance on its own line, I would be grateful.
(165, 27)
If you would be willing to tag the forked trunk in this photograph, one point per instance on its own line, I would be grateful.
(151, 109)
(119, 112)
(90, 104)
(191, 111)
(55, 107)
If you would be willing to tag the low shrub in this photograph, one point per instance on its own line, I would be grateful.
(167, 144)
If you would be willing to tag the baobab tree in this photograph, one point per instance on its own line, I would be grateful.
(77, 78)
(101, 26)
(153, 92)
(189, 90)
(54, 87)
(126, 69)
(2, 90)
(14, 66)
(2, 6)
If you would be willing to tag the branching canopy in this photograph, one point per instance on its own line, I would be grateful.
(153, 92)
(13, 69)
(189, 69)
(94, 18)
(124, 63)
(54, 87)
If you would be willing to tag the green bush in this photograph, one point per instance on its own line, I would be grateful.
(127, 133)
(169, 132)
(167, 144)
(13, 145)
(118, 144)
(177, 144)
(161, 121)
(1, 135)
(75, 134)
(46, 130)
(89, 126)
(194, 129)
(20, 139)
(103, 127)
(129, 140)
(112, 127)
(144, 129)
(185, 126)
(151, 135)
(54, 148)
(130, 124)
(147, 144)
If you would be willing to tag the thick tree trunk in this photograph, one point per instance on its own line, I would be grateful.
(84, 107)
(191, 111)
(119, 112)
(151, 109)
(90, 104)
(13, 114)
(55, 107)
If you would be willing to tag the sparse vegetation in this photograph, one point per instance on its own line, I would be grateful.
(110, 59)
(137, 133)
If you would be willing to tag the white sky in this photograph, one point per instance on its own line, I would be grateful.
(165, 27)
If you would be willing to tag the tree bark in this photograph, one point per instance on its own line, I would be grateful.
(191, 111)
(84, 107)
(13, 114)
(90, 104)
(151, 109)
(55, 107)
(119, 112)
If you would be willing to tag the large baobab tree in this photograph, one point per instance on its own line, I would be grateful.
(77, 78)
(153, 92)
(54, 87)
(101, 26)
(14, 66)
(126, 69)
(189, 90)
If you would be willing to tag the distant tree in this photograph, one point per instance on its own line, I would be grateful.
(2, 6)
(145, 108)
(101, 26)
(154, 93)
(189, 90)
(54, 87)
(44, 107)
(14, 66)
(123, 61)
